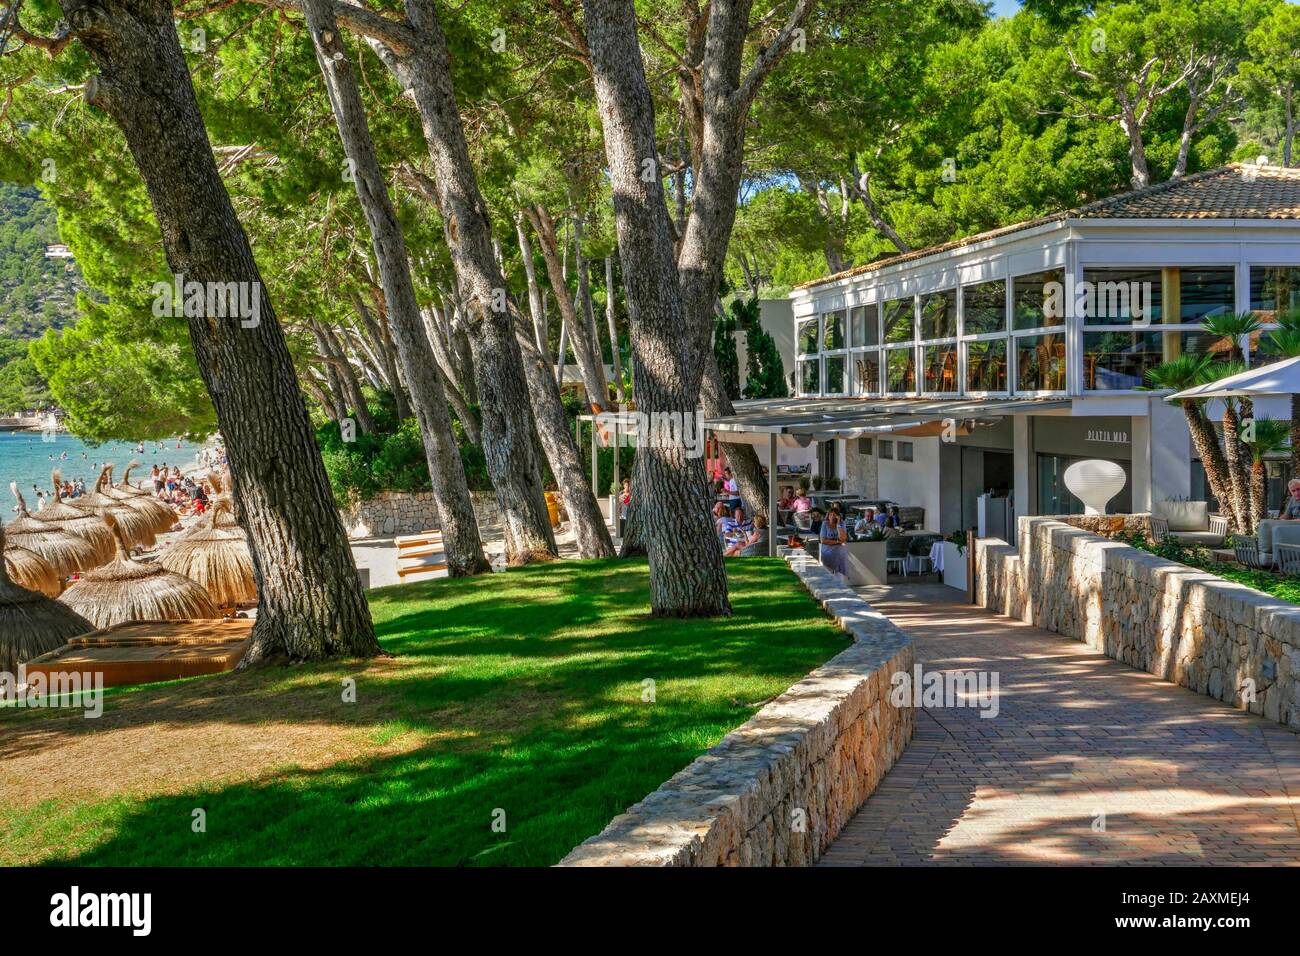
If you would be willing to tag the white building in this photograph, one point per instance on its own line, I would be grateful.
(993, 362)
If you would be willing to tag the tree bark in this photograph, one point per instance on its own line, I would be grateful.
(536, 308)
(460, 533)
(1211, 455)
(687, 575)
(584, 352)
(508, 428)
(310, 601)
(383, 354)
(589, 528)
(1238, 468)
(352, 388)
(1288, 140)
(616, 362)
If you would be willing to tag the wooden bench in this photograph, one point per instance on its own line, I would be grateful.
(420, 553)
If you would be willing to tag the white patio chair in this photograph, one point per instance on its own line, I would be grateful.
(1288, 558)
(1248, 554)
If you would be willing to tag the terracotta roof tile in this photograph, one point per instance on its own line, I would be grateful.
(1236, 191)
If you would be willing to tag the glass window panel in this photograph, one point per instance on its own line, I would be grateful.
(900, 370)
(941, 368)
(1206, 292)
(808, 337)
(898, 316)
(866, 372)
(1040, 363)
(1120, 360)
(986, 366)
(1038, 299)
(904, 451)
(833, 381)
(833, 331)
(865, 326)
(1274, 289)
(939, 314)
(984, 307)
(886, 448)
(810, 376)
(1120, 296)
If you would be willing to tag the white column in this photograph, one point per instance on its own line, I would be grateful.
(1022, 465)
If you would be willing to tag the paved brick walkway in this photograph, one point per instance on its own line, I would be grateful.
(1180, 778)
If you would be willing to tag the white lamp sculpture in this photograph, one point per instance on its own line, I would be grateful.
(1094, 482)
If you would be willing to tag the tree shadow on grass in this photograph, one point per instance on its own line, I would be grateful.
(527, 697)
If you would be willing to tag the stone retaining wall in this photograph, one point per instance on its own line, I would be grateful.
(392, 513)
(1189, 627)
(779, 788)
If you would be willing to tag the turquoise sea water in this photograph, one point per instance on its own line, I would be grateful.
(29, 457)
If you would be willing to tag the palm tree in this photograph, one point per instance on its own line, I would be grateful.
(1235, 327)
(1176, 375)
(1236, 458)
(1266, 436)
(1284, 342)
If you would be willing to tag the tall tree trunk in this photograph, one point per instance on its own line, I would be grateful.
(352, 387)
(687, 575)
(1288, 140)
(322, 393)
(536, 309)
(1238, 467)
(589, 529)
(1140, 172)
(584, 351)
(460, 533)
(1209, 451)
(508, 428)
(310, 601)
(616, 362)
(335, 402)
(379, 346)
(589, 313)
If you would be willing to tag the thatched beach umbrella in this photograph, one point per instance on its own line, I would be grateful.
(129, 590)
(163, 515)
(30, 623)
(84, 523)
(217, 558)
(66, 552)
(136, 526)
(29, 570)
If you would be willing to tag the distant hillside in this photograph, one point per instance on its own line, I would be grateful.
(36, 292)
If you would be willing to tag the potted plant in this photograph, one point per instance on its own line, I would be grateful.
(864, 558)
(832, 483)
(817, 482)
(954, 560)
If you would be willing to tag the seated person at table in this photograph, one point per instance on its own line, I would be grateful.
(787, 499)
(882, 517)
(719, 516)
(895, 520)
(832, 537)
(753, 544)
(816, 516)
(802, 502)
(864, 523)
(737, 524)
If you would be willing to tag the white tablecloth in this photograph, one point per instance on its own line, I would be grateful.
(936, 555)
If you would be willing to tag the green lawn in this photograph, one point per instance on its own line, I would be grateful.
(519, 694)
(1283, 587)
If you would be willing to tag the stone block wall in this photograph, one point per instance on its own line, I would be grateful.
(392, 513)
(1189, 627)
(779, 788)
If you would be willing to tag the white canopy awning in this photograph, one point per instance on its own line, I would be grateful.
(1280, 378)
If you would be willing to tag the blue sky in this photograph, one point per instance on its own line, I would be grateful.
(1005, 8)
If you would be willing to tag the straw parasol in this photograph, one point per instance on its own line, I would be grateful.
(129, 590)
(162, 514)
(82, 523)
(137, 527)
(66, 552)
(29, 570)
(217, 558)
(30, 623)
